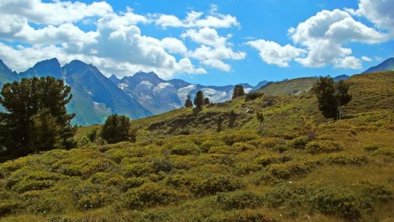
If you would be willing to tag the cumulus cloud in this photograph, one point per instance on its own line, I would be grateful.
(197, 20)
(213, 50)
(275, 54)
(53, 13)
(117, 45)
(325, 35)
(380, 12)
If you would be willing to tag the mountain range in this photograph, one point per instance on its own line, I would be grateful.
(143, 94)
(95, 96)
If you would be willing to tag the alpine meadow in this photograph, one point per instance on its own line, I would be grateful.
(196, 111)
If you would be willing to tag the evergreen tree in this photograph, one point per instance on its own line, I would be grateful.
(188, 102)
(207, 101)
(331, 96)
(116, 129)
(46, 133)
(25, 103)
(238, 91)
(199, 100)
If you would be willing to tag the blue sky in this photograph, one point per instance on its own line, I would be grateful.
(226, 42)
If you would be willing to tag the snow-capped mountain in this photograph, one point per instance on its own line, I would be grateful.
(159, 95)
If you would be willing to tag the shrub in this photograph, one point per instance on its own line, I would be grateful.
(271, 142)
(338, 201)
(107, 179)
(8, 207)
(206, 145)
(371, 148)
(149, 195)
(270, 159)
(290, 170)
(323, 146)
(253, 95)
(244, 168)
(89, 196)
(239, 216)
(213, 184)
(161, 165)
(299, 142)
(345, 160)
(132, 183)
(238, 200)
(185, 149)
(242, 146)
(287, 194)
(231, 138)
(137, 169)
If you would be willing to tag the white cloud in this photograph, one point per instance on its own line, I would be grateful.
(366, 59)
(348, 62)
(214, 57)
(196, 20)
(380, 12)
(275, 54)
(205, 36)
(325, 35)
(53, 13)
(173, 45)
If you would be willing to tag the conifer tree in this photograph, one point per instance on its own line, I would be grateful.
(331, 96)
(199, 100)
(117, 128)
(31, 106)
(238, 91)
(188, 102)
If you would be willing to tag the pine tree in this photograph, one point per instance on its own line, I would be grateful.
(199, 100)
(207, 101)
(238, 91)
(331, 96)
(116, 129)
(188, 102)
(23, 101)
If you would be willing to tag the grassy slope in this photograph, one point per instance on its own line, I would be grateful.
(345, 173)
(289, 87)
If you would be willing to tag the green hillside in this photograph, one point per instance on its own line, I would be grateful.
(289, 87)
(298, 167)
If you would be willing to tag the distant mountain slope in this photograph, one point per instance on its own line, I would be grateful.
(387, 65)
(289, 87)
(6, 74)
(158, 95)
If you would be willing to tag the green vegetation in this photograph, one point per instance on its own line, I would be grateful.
(301, 167)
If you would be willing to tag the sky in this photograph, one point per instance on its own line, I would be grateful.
(208, 42)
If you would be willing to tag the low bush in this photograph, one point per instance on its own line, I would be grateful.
(149, 195)
(8, 206)
(323, 146)
(242, 146)
(89, 196)
(371, 148)
(161, 165)
(245, 168)
(290, 170)
(107, 179)
(185, 149)
(132, 183)
(213, 184)
(231, 138)
(299, 142)
(271, 159)
(238, 200)
(347, 160)
(253, 95)
(137, 169)
(239, 216)
(206, 145)
(271, 142)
